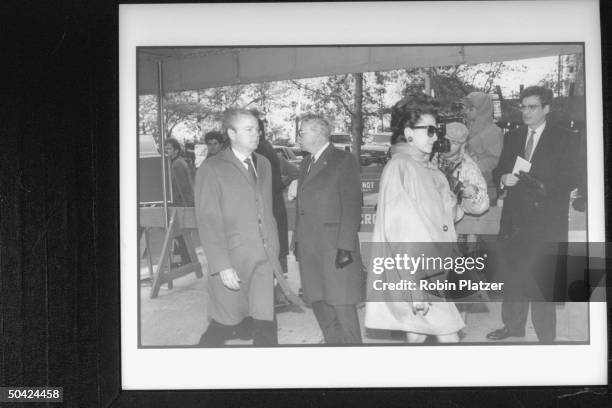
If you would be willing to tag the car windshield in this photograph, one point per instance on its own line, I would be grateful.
(341, 138)
(381, 139)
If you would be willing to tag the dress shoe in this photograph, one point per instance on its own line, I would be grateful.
(215, 335)
(504, 333)
(244, 329)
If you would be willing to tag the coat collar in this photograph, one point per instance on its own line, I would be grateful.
(318, 165)
(228, 155)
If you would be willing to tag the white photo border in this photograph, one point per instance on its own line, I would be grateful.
(356, 23)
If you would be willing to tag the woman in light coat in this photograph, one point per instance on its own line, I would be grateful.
(416, 213)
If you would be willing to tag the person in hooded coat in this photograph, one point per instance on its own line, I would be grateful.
(485, 139)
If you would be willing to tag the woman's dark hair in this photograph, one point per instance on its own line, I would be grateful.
(175, 144)
(407, 112)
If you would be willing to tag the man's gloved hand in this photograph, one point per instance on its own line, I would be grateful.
(343, 258)
(532, 182)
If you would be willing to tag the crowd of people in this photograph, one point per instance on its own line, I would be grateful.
(424, 190)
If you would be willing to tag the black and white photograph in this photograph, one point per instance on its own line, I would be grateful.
(299, 291)
(359, 194)
(395, 203)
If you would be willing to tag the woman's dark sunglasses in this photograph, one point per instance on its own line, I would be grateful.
(431, 130)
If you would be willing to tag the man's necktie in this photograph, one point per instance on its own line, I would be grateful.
(529, 145)
(252, 172)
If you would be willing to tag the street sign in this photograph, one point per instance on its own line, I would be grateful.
(368, 218)
(370, 183)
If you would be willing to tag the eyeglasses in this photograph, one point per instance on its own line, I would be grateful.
(431, 130)
(530, 108)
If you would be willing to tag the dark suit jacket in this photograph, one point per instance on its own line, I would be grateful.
(278, 202)
(328, 215)
(533, 224)
(530, 216)
(237, 230)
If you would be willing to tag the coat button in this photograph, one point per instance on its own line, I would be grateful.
(301, 212)
(445, 228)
(536, 204)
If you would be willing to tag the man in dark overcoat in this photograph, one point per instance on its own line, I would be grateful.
(534, 221)
(328, 215)
(238, 232)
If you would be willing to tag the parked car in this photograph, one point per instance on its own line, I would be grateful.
(288, 154)
(380, 139)
(377, 147)
(366, 158)
(343, 141)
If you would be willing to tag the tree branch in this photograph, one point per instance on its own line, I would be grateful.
(323, 95)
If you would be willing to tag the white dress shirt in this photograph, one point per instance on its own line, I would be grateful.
(536, 138)
(242, 158)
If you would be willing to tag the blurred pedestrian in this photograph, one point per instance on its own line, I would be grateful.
(215, 142)
(485, 139)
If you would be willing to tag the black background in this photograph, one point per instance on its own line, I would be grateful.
(59, 220)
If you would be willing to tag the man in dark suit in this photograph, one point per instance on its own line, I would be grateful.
(279, 209)
(535, 215)
(328, 214)
(238, 232)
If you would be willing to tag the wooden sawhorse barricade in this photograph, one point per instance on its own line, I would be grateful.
(181, 223)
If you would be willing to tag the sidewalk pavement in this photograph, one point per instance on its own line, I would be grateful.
(177, 317)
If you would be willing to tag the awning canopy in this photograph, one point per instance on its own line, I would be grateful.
(191, 68)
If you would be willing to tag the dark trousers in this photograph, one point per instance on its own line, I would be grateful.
(263, 332)
(522, 288)
(543, 316)
(339, 323)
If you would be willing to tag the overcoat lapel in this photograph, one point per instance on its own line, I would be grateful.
(319, 164)
(259, 168)
(229, 155)
(521, 140)
(303, 168)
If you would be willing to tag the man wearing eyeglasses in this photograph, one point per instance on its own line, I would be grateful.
(328, 214)
(534, 218)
